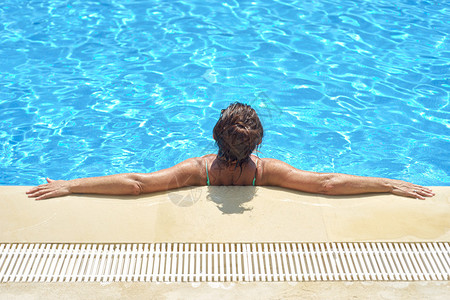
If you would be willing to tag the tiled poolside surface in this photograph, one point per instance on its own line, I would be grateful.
(225, 214)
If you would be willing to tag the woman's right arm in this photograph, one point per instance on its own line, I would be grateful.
(186, 173)
(278, 173)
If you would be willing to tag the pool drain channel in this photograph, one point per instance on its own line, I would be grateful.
(221, 262)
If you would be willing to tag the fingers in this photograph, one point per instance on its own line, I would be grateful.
(48, 195)
(41, 186)
(417, 196)
(36, 189)
(421, 192)
(412, 190)
(40, 189)
(44, 194)
(33, 190)
(37, 193)
(54, 188)
(422, 188)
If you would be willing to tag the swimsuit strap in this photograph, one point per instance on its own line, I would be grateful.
(207, 176)
(254, 177)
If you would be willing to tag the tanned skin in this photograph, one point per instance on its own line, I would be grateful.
(192, 172)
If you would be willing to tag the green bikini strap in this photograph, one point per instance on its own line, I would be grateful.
(207, 176)
(254, 178)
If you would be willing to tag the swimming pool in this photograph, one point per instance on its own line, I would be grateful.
(91, 88)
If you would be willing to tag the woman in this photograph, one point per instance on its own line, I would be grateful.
(237, 134)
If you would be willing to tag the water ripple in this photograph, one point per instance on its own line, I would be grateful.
(90, 88)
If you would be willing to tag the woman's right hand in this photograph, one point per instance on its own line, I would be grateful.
(54, 188)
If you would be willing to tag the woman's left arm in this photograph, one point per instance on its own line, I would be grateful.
(186, 173)
(343, 184)
(279, 173)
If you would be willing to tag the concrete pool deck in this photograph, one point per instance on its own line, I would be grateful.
(225, 214)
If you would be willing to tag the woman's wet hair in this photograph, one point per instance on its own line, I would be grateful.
(237, 133)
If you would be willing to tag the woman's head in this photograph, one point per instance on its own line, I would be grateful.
(237, 133)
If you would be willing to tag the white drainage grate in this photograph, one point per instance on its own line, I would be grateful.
(197, 262)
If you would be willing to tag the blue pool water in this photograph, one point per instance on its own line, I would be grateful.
(91, 88)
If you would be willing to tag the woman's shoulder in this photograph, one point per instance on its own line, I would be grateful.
(272, 170)
(196, 161)
(201, 161)
(209, 158)
(272, 162)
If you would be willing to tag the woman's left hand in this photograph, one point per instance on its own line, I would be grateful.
(407, 189)
(54, 188)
